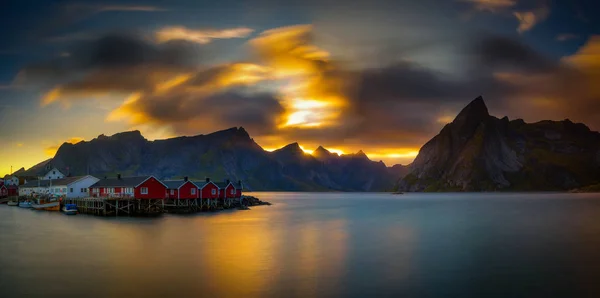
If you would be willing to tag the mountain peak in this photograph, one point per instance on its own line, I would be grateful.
(134, 134)
(322, 153)
(475, 112)
(292, 148)
(242, 132)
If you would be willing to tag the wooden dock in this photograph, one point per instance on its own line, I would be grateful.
(115, 206)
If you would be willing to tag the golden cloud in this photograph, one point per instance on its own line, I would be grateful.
(492, 5)
(199, 35)
(312, 98)
(528, 19)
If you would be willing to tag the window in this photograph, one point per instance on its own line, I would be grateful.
(71, 190)
(193, 191)
(172, 192)
(214, 191)
(53, 172)
(232, 191)
(144, 190)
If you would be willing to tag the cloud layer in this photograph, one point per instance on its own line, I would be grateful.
(290, 89)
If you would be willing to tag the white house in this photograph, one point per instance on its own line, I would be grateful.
(53, 174)
(71, 187)
(11, 180)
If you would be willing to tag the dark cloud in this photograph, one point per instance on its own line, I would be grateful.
(113, 62)
(188, 112)
(506, 53)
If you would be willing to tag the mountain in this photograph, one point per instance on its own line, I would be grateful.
(479, 152)
(228, 154)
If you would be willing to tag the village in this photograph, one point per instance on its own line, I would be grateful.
(122, 196)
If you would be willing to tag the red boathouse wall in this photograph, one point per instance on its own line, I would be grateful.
(207, 191)
(226, 193)
(172, 193)
(12, 190)
(185, 191)
(156, 190)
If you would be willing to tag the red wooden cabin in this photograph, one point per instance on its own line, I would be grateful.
(3, 191)
(141, 187)
(238, 190)
(13, 190)
(181, 189)
(207, 189)
(226, 190)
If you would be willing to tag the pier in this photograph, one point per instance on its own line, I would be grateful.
(115, 206)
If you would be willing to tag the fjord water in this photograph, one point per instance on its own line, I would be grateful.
(315, 245)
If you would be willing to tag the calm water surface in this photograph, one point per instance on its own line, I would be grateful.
(315, 245)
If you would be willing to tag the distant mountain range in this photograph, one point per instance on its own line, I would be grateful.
(479, 152)
(476, 152)
(228, 154)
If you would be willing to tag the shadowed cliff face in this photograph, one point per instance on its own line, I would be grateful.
(479, 152)
(228, 154)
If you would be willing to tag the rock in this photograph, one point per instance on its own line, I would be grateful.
(479, 152)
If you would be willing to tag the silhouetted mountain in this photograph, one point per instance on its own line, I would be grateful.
(479, 152)
(228, 154)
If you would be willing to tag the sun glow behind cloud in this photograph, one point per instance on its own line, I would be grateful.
(309, 97)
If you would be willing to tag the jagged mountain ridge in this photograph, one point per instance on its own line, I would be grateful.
(479, 152)
(227, 154)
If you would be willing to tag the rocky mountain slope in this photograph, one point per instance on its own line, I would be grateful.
(479, 152)
(228, 154)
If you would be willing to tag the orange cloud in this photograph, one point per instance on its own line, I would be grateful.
(492, 5)
(199, 35)
(528, 19)
(311, 97)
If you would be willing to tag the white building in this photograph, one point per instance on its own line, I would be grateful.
(53, 174)
(71, 187)
(11, 180)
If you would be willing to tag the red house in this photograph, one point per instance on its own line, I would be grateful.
(141, 187)
(207, 189)
(3, 191)
(238, 189)
(226, 190)
(13, 190)
(181, 189)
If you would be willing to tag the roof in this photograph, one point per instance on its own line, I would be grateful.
(46, 183)
(225, 184)
(222, 184)
(124, 181)
(202, 184)
(175, 184)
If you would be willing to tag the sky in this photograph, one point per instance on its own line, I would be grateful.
(382, 76)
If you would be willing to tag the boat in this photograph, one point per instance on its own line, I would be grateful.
(13, 203)
(48, 206)
(47, 203)
(70, 209)
(25, 204)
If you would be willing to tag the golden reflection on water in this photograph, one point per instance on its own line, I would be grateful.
(266, 253)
